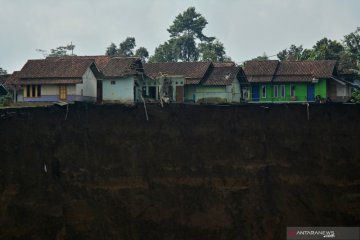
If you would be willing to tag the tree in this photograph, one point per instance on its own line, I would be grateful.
(294, 53)
(187, 41)
(263, 57)
(2, 71)
(165, 52)
(142, 53)
(326, 49)
(189, 23)
(111, 50)
(350, 59)
(62, 51)
(126, 47)
(213, 51)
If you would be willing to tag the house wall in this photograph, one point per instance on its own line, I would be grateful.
(205, 92)
(86, 91)
(121, 91)
(50, 93)
(320, 89)
(190, 93)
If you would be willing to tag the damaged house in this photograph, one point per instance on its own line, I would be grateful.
(200, 81)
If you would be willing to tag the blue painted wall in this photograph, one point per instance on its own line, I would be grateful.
(121, 91)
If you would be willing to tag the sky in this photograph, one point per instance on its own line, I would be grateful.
(247, 28)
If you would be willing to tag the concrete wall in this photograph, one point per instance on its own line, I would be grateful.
(121, 91)
(300, 91)
(87, 89)
(229, 93)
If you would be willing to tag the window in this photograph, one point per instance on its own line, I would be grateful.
(32, 91)
(282, 91)
(112, 82)
(276, 91)
(292, 90)
(263, 91)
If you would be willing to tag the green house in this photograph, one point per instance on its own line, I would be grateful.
(293, 81)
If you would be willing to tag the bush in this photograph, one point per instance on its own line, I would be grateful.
(5, 100)
(355, 96)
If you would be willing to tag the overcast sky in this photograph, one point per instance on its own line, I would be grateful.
(247, 28)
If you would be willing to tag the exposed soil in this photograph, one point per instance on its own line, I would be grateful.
(190, 172)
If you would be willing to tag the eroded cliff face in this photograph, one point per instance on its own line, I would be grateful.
(190, 172)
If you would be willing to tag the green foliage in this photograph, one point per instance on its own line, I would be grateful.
(126, 47)
(213, 51)
(2, 71)
(263, 57)
(355, 96)
(5, 100)
(142, 53)
(294, 53)
(189, 23)
(327, 49)
(187, 41)
(111, 50)
(62, 51)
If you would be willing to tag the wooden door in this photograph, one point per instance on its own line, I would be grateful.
(99, 92)
(179, 93)
(62, 92)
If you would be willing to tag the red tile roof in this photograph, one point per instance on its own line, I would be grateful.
(288, 71)
(100, 61)
(221, 75)
(55, 68)
(193, 72)
(122, 66)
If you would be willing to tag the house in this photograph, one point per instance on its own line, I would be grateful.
(57, 79)
(294, 81)
(200, 81)
(121, 78)
(3, 88)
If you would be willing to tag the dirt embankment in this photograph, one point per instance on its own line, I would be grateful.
(190, 172)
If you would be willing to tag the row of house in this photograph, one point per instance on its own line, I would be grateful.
(128, 80)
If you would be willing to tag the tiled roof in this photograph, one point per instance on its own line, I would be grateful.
(288, 71)
(221, 74)
(193, 72)
(3, 78)
(55, 68)
(100, 61)
(122, 66)
(49, 81)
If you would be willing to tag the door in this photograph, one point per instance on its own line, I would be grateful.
(310, 92)
(255, 93)
(179, 93)
(62, 92)
(99, 91)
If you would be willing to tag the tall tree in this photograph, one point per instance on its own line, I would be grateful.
(111, 50)
(293, 53)
(326, 49)
(126, 47)
(188, 42)
(142, 53)
(213, 51)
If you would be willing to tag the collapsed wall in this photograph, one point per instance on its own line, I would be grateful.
(190, 172)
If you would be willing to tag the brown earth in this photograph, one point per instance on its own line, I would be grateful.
(190, 172)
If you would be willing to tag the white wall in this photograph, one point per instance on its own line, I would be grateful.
(121, 91)
(88, 86)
